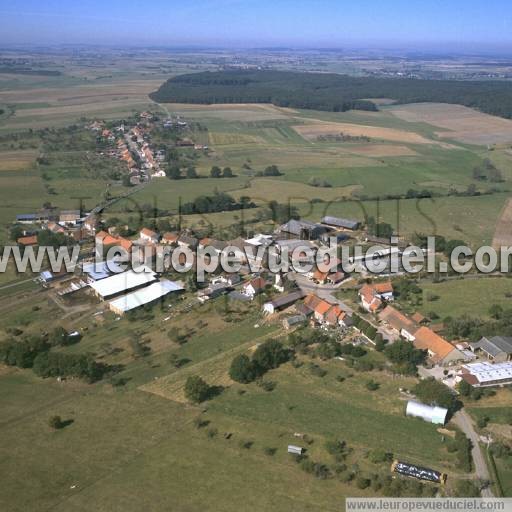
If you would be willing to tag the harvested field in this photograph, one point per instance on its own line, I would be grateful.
(503, 232)
(17, 160)
(458, 122)
(380, 150)
(219, 138)
(313, 130)
(263, 190)
(245, 112)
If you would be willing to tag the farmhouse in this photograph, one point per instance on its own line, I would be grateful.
(497, 348)
(439, 350)
(254, 287)
(126, 281)
(169, 238)
(148, 235)
(144, 296)
(374, 295)
(338, 222)
(69, 217)
(399, 322)
(486, 374)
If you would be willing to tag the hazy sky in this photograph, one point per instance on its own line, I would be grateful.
(332, 23)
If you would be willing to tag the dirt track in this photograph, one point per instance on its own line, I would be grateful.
(503, 230)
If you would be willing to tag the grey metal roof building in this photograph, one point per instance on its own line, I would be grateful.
(340, 222)
(497, 348)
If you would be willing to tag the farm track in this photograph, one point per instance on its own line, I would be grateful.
(503, 230)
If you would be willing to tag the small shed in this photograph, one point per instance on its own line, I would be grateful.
(432, 414)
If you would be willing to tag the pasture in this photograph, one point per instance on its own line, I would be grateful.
(471, 296)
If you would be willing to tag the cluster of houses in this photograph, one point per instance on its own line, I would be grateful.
(494, 368)
(133, 147)
(66, 222)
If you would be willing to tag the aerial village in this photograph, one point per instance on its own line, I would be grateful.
(356, 310)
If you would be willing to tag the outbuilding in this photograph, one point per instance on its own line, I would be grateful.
(429, 413)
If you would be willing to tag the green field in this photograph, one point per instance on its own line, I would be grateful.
(466, 296)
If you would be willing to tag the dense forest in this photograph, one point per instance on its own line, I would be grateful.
(331, 92)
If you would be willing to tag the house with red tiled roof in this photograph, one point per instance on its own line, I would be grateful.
(374, 295)
(169, 238)
(27, 240)
(311, 301)
(321, 310)
(401, 324)
(439, 350)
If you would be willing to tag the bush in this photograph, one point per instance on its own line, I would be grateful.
(379, 456)
(362, 482)
(371, 385)
(55, 422)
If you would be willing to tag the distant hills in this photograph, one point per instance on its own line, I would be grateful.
(330, 92)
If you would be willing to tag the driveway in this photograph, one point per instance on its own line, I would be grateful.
(464, 422)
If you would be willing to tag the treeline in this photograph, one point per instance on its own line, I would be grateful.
(331, 92)
(219, 202)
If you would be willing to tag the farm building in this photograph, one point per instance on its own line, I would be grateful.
(497, 348)
(291, 321)
(486, 374)
(297, 450)
(97, 270)
(126, 281)
(282, 302)
(144, 296)
(432, 414)
(398, 322)
(303, 229)
(407, 469)
(439, 350)
(339, 222)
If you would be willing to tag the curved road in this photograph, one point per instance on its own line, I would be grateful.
(464, 422)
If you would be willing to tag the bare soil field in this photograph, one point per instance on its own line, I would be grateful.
(458, 122)
(503, 232)
(312, 131)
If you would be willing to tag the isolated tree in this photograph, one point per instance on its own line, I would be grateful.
(196, 389)
(227, 172)
(215, 172)
(191, 172)
(173, 173)
(242, 369)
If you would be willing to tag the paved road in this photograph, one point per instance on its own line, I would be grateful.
(464, 422)
(326, 292)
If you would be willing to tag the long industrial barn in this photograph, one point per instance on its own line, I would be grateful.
(126, 281)
(144, 296)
